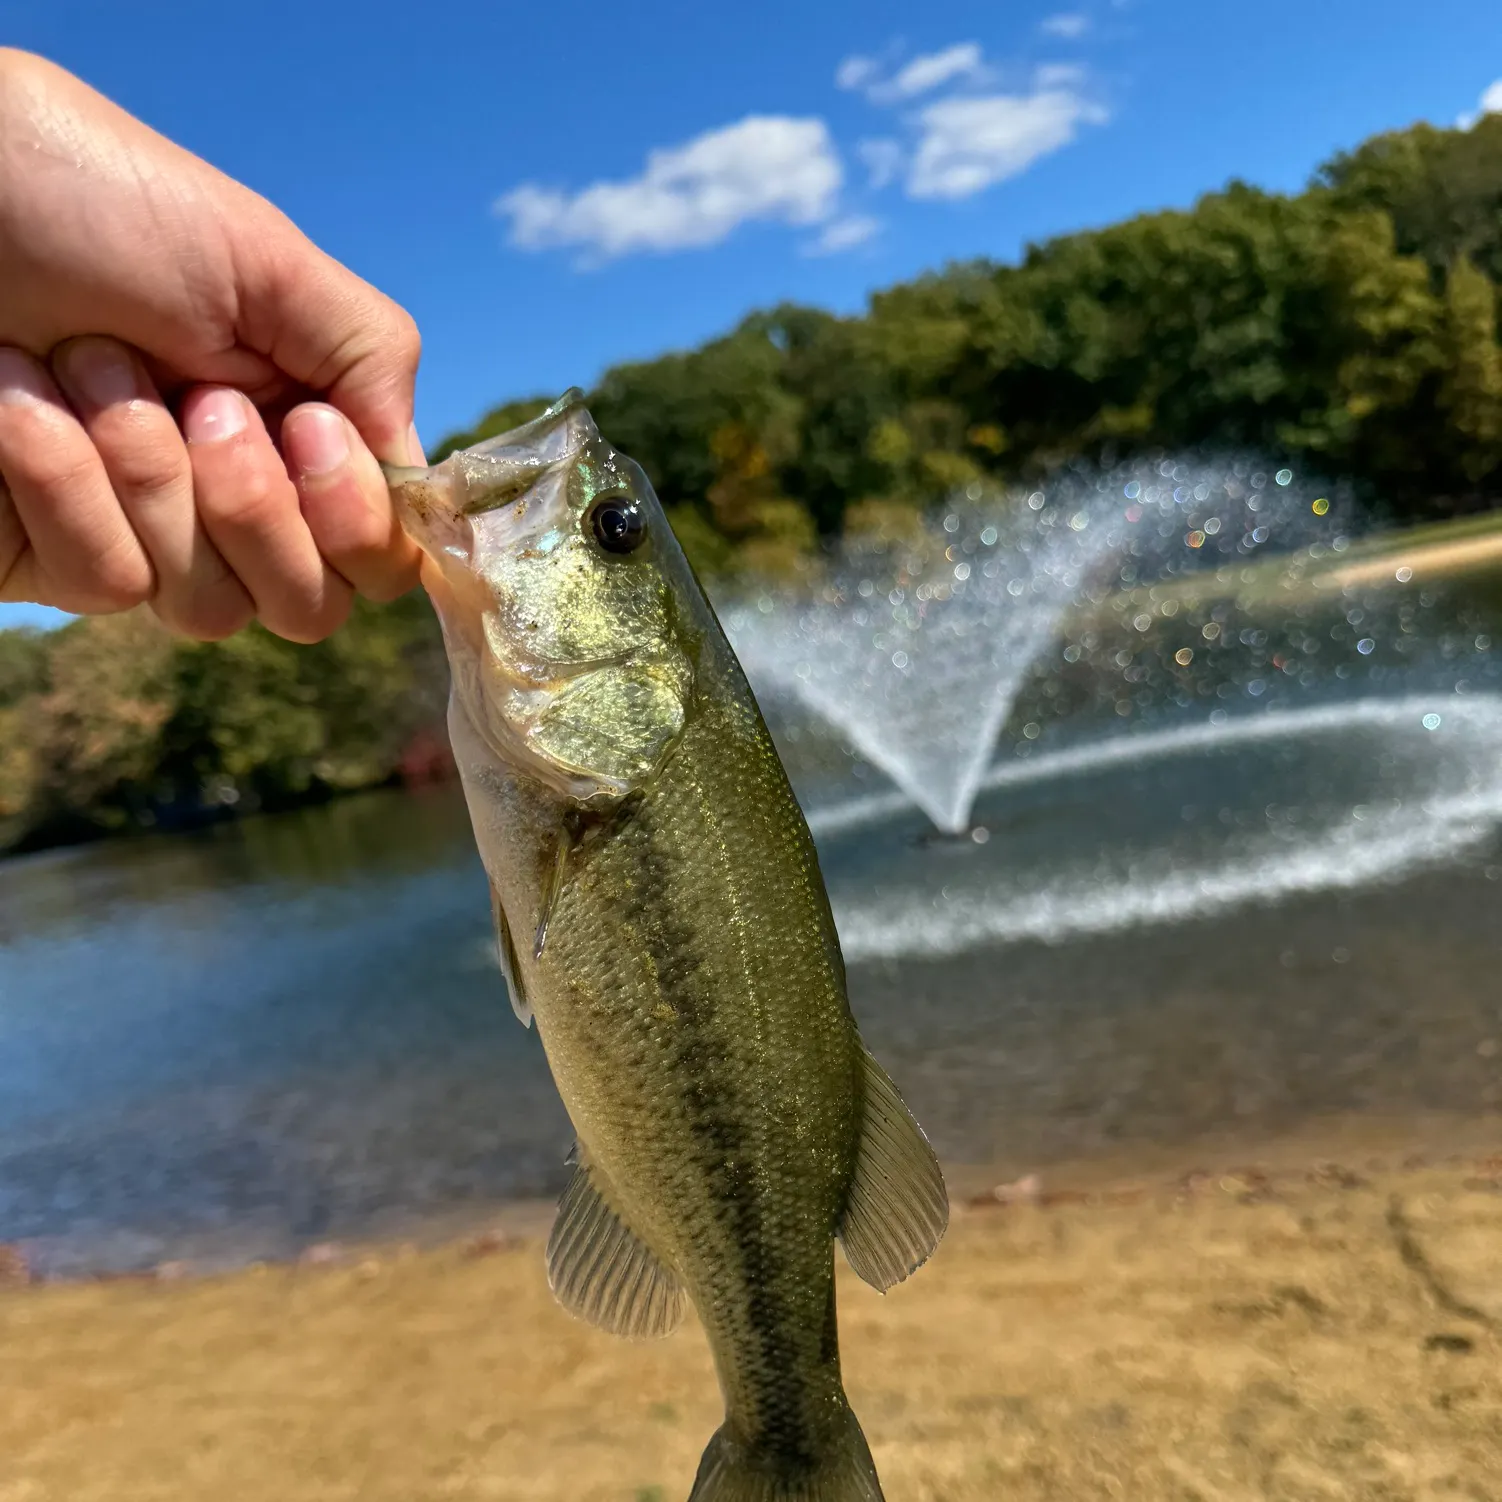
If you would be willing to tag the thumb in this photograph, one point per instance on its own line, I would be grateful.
(338, 337)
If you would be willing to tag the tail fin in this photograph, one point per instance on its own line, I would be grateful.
(732, 1472)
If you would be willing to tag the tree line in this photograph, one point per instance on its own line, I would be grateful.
(1352, 328)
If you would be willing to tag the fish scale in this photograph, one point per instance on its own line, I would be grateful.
(685, 976)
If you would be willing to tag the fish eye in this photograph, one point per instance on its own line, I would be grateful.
(618, 524)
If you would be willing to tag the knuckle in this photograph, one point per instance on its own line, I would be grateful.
(52, 460)
(333, 610)
(144, 461)
(405, 337)
(317, 619)
(211, 617)
(360, 541)
(391, 583)
(123, 598)
(67, 468)
(122, 575)
(382, 591)
(119, 591)
(209, 603)
(254, 500)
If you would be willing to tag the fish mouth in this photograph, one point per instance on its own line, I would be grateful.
(424, 502)
(511, 469)
(398, 475)
(419, 492)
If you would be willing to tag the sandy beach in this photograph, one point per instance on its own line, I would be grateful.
(1286, 1326)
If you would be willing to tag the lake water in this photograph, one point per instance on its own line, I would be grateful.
(242, 1042)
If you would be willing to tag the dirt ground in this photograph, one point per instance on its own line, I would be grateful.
(1290, 1331)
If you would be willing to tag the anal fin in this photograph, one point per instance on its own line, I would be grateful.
(600, 1270)
(505, 953)
(898, 1206)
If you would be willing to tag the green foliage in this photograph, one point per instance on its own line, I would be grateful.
(1347, 326)
(23, 665)
(1295, 324)
(1442, 189)
(117, 724)
(1353, 327)
(498, 420)
(261, 713)
(1471, 387)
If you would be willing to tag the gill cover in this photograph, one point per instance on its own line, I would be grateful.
(570, 656)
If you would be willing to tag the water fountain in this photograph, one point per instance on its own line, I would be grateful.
(1162, 691)
(915, 649)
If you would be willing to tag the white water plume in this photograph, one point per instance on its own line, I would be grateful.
(915, 650)
(916, 653)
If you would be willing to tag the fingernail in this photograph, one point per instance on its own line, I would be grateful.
(103, 373)
(316, 441)
(415, 451)
(21, 380)
(214, 415)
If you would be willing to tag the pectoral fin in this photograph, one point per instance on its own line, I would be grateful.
(505, 953)
(600, 1270)
(557, 880)
(898, 1207)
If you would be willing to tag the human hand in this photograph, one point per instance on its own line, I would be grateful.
(134, 280)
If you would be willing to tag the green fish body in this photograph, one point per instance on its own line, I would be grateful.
(661, 915)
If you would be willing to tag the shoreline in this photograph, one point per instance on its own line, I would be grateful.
(1338, 1149)
(202, 818)
(1297, 1323)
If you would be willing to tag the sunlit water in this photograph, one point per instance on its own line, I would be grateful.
(240, 1043)
(1357, 793)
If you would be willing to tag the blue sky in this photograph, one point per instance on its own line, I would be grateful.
(550, 189)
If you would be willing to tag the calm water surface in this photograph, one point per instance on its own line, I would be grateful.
(238, 1043)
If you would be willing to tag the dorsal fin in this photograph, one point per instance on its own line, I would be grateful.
(898, 1207)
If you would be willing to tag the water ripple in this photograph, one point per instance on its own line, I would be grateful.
(1449, 813)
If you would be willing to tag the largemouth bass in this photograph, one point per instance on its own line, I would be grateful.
(661, 915)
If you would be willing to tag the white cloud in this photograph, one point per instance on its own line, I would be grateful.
(967, 140)
(1069, 25)
(1057, 75)
(765, 167)
(1490, 104)
(969, 144)
(856, 72)
(925, 73)
(843, 234)
(883, 160)
(929, 72)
